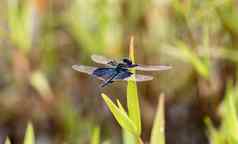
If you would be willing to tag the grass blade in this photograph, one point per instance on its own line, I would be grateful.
(7, 141)
(200, 66)
(132, 96)
(29, 135)
(230, 120)
(95, 139)
(121, 107)
(158, 130)
(124, 121)
(40, 83)
(128, 138)
(215, 136)
(20, 24)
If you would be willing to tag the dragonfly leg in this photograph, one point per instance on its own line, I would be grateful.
(110, 80)
(105, 84)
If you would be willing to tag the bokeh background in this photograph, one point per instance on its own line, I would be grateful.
(41, 39)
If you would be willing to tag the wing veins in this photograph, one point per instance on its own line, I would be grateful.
(152, 67)
(101, 59)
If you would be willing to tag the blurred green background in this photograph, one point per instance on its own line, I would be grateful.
(41, 39)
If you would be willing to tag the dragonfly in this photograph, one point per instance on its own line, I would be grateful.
(118, 70)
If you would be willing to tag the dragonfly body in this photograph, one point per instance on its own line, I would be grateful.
(117, 70)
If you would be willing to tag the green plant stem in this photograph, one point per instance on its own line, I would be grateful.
(139, 141)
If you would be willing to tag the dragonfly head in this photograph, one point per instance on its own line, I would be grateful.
(122, 65)
(129, 63)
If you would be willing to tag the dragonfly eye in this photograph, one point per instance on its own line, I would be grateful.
(127, 61)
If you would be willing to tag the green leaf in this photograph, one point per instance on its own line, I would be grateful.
(20, 24)
(95, 139)
(124, 121)
(128, 138)
(121, 107)
(131, 50)
(158, 130)
(215, 136)
(230, 120)
(200, 66)
(133, 105)
(29, 135)
(227, 133)
(40, 83)
(132, 95)
(7, 141)
(228, 15)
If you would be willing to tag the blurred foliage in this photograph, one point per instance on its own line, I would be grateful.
(229, 127)
(21, 23)
(41, 39)
(95, 25)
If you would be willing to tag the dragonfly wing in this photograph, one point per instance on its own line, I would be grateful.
(138, 77)
(141, 78)
(101, 59)
(84, 69)
(106, 73)
(152, 67)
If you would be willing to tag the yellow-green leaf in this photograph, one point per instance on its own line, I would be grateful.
(29, 135)
(7, 141)
(40, 83)
(124, 121)
(95, 139)
(158, 130)
(200, 66)
(230, 120)
(121, 107)
(132, 95)
(215, 136)
(128, 138)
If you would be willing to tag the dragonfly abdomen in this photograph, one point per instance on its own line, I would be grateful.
(104, 73)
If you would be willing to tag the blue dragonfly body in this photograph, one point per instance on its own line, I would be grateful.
(117, 70)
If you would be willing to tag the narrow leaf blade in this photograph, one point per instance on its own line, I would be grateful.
(201, 67)
(7, 141)
(128, 138)
(124, 121)
(230, 120)
(95, 139)
(158, 130)
(215, 136)
(132, 95)
(29, 135)
(121, 107)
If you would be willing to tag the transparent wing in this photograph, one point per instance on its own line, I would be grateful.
(138, 78)
(89, 70)
(101, 59)
(84, 69)
(152, 67)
